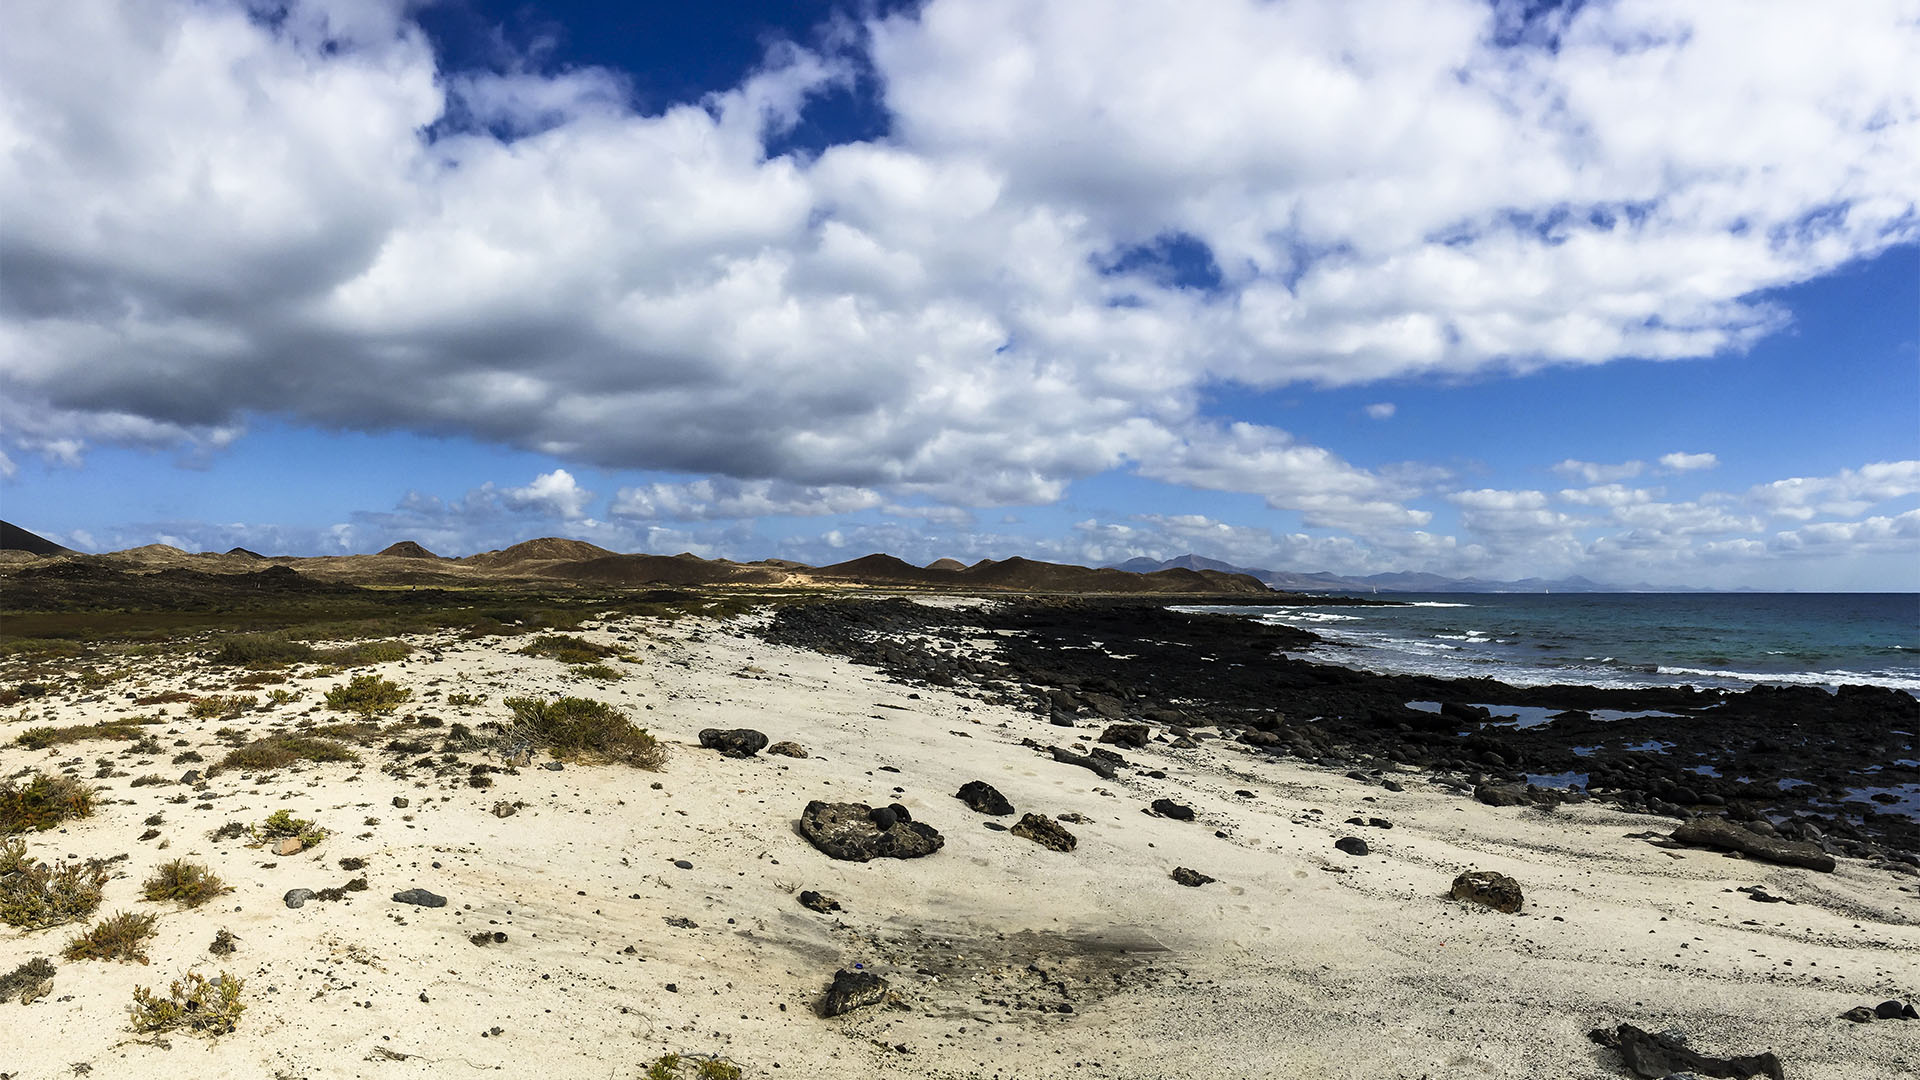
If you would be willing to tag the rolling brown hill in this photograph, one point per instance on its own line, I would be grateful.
(545, 549)
(158, 568)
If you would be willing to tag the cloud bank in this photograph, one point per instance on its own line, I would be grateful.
(1085, 219)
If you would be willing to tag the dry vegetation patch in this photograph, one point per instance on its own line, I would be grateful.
(34, 896)
(39, 738)
(122, 936)
(194, 1003)
(280, 751)
(42, 803)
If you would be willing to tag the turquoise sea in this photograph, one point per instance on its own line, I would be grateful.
(1730, 640)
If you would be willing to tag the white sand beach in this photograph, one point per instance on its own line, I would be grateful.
(1005, 959)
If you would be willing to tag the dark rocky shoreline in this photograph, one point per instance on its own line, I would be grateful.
(1089, 662)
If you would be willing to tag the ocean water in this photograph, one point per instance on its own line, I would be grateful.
(1732, 640)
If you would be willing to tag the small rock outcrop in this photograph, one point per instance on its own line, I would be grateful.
(1099, 766)
(982, 797)
(1497, 891)
(817, 901)
(734, 742)
(1134, 735)
(857, 832)
(419, 898)
(788, 749)
(852, 990)
(1662, 1054)
(1723, 835)
(1167, 808)
(1046, 832)
(1193, 879)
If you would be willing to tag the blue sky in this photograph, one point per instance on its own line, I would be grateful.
(1625, 289)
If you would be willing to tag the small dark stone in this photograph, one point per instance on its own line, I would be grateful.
(1170, 809)
(1134, 735)
(1352, 845)
(734, 742)
(983, 798)
(190, 777)
(1392, 785)
(1859, 1014)
(788, 749)
(852, 990)
(552, 766)
(884, 818)
(419, 898)
(1190, 878)
(683, 864)
(296, 897)
(400, 802)
(1890, 1010)
(814, 901)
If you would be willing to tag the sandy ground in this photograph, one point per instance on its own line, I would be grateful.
(1300, 961)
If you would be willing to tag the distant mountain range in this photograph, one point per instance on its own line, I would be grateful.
(29, 561)
(1398, 582)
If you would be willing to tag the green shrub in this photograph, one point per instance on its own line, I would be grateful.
(116, 937)
(582, 727)
(261, 650)
(567, 648)
(368, 695)
(185, 883)
(281, 824)
(44, 802)
(597, 671)
(221, 706)
(39, 738)
(280, 751)
(194, 1003)
(670, 1066)
(34, 896)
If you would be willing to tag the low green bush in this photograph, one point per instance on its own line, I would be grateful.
(583, 728)
(185, 883)
(368, 696)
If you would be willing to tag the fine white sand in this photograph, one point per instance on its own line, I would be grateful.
(1300, 961)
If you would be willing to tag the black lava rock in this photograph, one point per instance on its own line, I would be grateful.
(734, 742)
(1352, 845)
(419, 898)
(982, 797)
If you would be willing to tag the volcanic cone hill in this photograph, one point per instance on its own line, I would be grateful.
(407, 549)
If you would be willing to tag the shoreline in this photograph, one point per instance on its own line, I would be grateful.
(1301, 959)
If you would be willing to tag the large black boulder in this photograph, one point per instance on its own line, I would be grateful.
(857, 832)
(734, 742)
